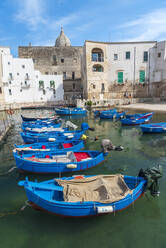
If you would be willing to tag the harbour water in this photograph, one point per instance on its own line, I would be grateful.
(141, 225)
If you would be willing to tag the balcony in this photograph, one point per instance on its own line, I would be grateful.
(97, 59)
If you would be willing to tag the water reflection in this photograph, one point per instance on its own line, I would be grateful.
(147, 218)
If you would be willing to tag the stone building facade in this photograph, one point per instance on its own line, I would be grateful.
(116, 70)
(157, 65)
(21, 84)
(61, 59)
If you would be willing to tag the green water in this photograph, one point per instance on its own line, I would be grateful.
(141, 225)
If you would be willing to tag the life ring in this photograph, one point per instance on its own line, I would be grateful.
(10, 112)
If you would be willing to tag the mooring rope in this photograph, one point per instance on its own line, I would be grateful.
(15, 212)
(9, 171)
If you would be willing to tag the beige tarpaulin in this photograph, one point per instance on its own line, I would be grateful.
(102, 188)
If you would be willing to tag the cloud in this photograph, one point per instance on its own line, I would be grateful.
(31, 13)
(64, 21)
(150, 26)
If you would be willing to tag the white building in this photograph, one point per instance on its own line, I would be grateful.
(112, 68)
(22, 84)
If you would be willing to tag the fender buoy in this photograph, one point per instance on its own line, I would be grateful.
(79, 177)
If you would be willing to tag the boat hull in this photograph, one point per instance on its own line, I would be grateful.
(52, 146)
(153, 128)
(138, 120)
(27, 138)
(71, 112)
(82, 209)
(55, 167)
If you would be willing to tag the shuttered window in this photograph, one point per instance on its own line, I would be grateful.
(145, 59)
(120, 77)
(41, 84)
(52, 84)
(142, 76)
(127, 55)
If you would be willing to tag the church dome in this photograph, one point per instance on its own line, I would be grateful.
(62, 40)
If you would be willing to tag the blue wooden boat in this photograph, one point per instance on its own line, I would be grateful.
(137, 120)
(154, 127)
(35, 118)
(50, 196)
(97, 113)
(71, 111)
(116, 115)
(81, 196)
(46, 137)
(57, 162)
(50, 146)
(38, 124)
(137, 115)
(44, 129)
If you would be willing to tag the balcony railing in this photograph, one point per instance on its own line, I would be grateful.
(99, 59)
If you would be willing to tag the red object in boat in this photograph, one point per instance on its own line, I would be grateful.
(43, 147)
(67, 145)
(81, 155)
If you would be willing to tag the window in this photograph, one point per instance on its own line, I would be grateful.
(41, 84)
(55, 73)
(75, 60)
(21, 90)
(18, 74)
(27, 76)
(115, 56)
(97, 68)
(74, 86)
(145, 59)
(102, 87)
(25, 83)
(10, 82)
(120, 77)
(52, 84)
(10, 76)
(54, 60)
(141, 76)
(127, 55)
(46, 72)
(97, 55)
(94, 86)
(73, 75)
(44, 92)
(23, 66)
(64, 75)
(0, 90)
(34, 60)
(54, 92)
(8, 63)
(159, 55)
(10, 92)
(62, 60)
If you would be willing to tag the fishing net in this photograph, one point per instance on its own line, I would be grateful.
(104, 189)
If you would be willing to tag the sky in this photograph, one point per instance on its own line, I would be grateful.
(39, 21)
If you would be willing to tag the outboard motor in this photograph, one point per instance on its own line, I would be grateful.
(152, 176)
(107, 146)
